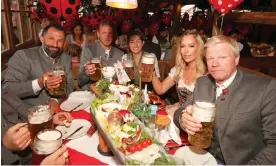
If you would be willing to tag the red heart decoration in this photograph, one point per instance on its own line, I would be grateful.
(224, 6)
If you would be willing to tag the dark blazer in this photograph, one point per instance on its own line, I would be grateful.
(151, 47)
(29, 64)
(94, 50)
(245, 124)
(13, 111)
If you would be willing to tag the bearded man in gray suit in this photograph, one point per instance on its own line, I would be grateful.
(101, 48)
(29, 73)
(244, 129)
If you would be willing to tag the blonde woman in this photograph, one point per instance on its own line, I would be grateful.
(189, 66)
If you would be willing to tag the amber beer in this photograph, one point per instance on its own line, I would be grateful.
(129, 69)
(46, 142)
(147, 67)
(97, 75)
(39, 118)
(61, 90)
(205, 112)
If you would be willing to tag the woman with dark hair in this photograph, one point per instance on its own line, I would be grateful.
(77, 36)
(135, 45)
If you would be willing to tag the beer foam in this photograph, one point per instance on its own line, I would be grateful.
(59, 72)
(95, 61)
(148, 59)
(47, 141)
(204, 111)
(49, 135)
(203, 104)
(41, 115)
(128, 64)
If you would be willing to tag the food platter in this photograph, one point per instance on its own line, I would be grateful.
(132, 142)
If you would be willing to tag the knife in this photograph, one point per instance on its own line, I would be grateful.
(75, 107)
(78, 129)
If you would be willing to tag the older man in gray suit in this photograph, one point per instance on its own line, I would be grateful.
(244, 130)
(102, 48)
(29, 73)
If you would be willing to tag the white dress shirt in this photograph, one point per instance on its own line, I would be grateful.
(225, 84)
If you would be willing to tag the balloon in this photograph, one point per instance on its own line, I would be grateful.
(153, 28)
(126, 26)
(224, 6)
(61, 9)
(166, 18)
(93, 20)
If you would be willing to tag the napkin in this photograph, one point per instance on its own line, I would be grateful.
(78, 158)
(121, 73)
(172, 132)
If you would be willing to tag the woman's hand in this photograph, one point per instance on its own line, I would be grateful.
(190, 124)
(60, 117)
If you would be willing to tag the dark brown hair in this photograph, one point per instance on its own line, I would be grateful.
(74, 50)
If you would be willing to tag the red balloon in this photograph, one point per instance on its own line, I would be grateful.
(153, 28)
(126, 26)
(166, 18)
(66, 9)
(224, 6)
(93, 20)
(111, 19)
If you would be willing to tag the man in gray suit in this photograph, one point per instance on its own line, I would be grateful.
(14, 131)
(29, 73)
(244, 130)
(101, 48)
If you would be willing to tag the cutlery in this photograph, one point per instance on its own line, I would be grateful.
(75, 107)
(78, 129)
(177, 146)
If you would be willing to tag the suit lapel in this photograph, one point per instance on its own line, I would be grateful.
(224, 102)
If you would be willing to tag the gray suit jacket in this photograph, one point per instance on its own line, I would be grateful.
(29, 64)
(245, 124)
(13, 111)
(94, 50)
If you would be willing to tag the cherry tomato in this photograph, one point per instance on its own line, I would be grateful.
(144, 143)
(139, 147)
(132, 148)
(149, 141)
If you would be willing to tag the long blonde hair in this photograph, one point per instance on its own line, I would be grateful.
(180, 63)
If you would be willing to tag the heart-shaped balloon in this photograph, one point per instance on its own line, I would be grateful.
(224, 6)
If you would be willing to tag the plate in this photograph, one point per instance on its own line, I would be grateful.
(192, 155)
(69, 104)
(82, 94)
(76, 123)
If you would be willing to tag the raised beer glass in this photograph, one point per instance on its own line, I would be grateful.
(39, 118)
(46, 142)
(147, 67)
(61, 90)
(97, 75)
(205, 112)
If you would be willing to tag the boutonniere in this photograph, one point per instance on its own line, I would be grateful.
(225, 91)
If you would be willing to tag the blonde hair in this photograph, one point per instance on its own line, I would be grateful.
(180, 63)
(233, 45)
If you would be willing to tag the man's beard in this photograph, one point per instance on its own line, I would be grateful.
(51, 53)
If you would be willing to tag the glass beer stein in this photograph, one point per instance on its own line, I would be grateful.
(46, 142)
(39, 118)
(61, 90)
(97, 75)
(147, 67)
(205, 112)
